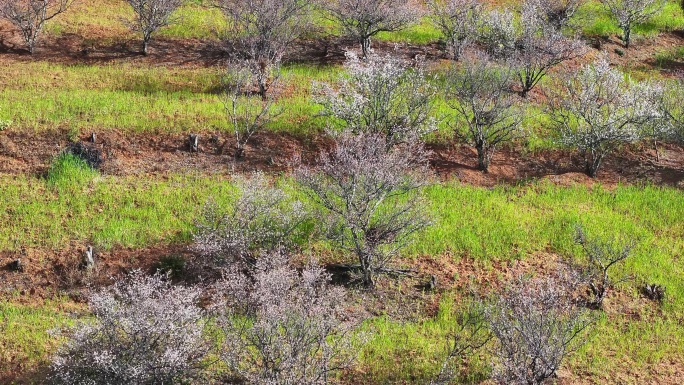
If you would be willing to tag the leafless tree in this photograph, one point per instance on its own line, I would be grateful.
(481, 95)
(471, 334)
(247, 113)
(558, 13)
(632, 12)
(150, 16)
(669, 102)
(383, 95)
(261, 219)
(261, 31)
(145, 331)
(283, 327)
(363, 19)
(596, 110)
(536, 324)
(30, 16)
(458, 21)
(540, 46)
(602, 254)
(369, 193)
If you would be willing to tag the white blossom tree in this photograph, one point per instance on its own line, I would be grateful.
(536, 325)
(381, 94)
(282, 326)
(632, 12)
(144, 331)
(458, 21)
(150, 16)
(369, 194)
(596, 110)
(532, 44)
(30, 16)
(669, 102)
(363, 19)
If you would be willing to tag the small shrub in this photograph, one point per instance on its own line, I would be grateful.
(654, 292)
(90, 154)
(69, 170)
(602, 255)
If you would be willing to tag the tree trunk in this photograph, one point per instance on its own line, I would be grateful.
(482, 159)
(365, 46)
(627, 37)
(145, 46)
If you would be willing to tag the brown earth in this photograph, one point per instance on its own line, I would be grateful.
(159, 154)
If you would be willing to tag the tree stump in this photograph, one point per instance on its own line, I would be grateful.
(193, 142)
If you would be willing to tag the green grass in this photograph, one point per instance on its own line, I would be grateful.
(670, 56)
(103, 21)
(423, 32)
(133, 98)
(24, 331)
(496, 224)
(68, 172)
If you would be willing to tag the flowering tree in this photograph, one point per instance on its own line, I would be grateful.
(150, 15)
(363, 19)
(536, 325)
(145, 331)
(30, 16)
(382, 95)
(260, 220)
(367, 190)
(558, 13)
(669, 103)
(458, 20)
(281, 326)
(534, 47)
(632, 12)
(596, 109)
(480, 93)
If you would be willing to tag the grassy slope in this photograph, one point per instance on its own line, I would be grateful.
(485, 224)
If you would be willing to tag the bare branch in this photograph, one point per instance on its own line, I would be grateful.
(150, 16)
(29, 16)
(368, 192)
(363, 19)
(480, 93)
